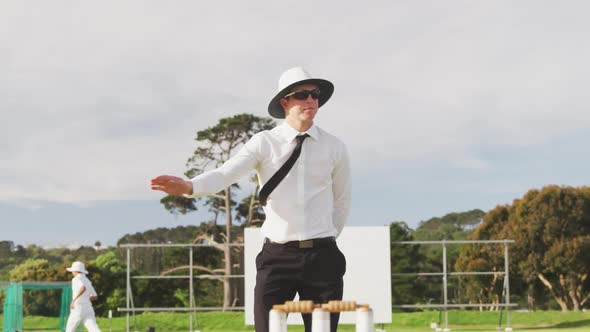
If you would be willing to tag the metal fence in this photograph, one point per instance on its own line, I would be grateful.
(445, 273)
(130, 306)
(131, 309)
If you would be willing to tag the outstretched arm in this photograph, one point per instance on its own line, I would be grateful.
(215, 180)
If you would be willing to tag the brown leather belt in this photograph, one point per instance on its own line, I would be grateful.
(311, 243)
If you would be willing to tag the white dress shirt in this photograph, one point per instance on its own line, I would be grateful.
(312, 201)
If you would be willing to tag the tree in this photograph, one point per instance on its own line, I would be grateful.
(33, 270)
(215, 146)
(249, 210)
(552, 232)
(452, 226)
(551, 229)
(38, 302)
(108, 274)
(484, 258)
(404, 259)
(6, 258)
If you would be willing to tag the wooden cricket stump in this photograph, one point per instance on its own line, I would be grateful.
(320, 315)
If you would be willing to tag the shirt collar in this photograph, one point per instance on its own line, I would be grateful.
(289, 133)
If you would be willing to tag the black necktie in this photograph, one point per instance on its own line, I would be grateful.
(274, 181)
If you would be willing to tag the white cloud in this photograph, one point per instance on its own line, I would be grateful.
(98, 98)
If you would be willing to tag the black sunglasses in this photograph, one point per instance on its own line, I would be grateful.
(303, 94)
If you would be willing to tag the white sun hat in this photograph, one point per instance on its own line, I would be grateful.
(78, 267)
(297, 76)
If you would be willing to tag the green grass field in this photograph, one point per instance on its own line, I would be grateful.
(464, 321)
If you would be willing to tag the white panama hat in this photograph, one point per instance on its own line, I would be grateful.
(78, 267)
(297, 76)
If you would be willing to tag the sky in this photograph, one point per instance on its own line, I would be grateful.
(444, 106)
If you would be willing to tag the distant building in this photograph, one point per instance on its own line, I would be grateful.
(472, 224)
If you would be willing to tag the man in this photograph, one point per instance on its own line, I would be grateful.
(305, 178)
(81, 307)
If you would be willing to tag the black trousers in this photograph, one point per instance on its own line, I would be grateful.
(284, 270)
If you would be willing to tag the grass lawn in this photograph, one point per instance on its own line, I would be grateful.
(464, 321)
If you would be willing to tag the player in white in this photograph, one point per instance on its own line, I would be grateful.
(82, 295)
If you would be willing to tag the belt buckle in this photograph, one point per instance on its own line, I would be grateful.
(306, 244)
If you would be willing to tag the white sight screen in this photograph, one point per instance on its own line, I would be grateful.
(368, 273)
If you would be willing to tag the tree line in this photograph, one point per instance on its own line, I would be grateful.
(549, 261)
